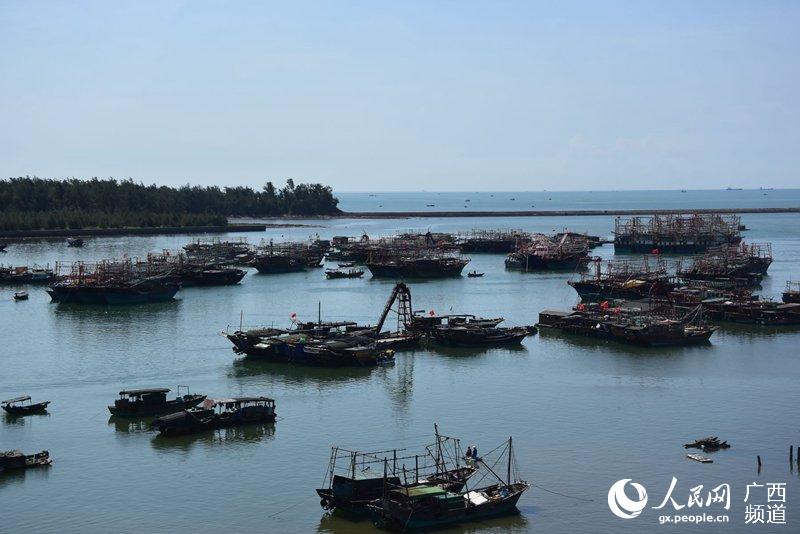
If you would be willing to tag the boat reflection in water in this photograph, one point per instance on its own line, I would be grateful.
(212, 438)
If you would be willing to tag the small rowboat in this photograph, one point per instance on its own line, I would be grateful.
(699, 458)
(17, 406)
(475, 274)
(21, 295)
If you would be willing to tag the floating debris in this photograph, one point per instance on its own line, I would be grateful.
(699, 458)
(711, 444)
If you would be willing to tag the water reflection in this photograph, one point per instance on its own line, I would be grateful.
(130, 425)
(242, 434)
(462, 352)
(751, 331)
(613, 347)
(13, 419)
(334, 522)
(298, 374)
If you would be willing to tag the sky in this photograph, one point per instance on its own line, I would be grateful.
(404, 96)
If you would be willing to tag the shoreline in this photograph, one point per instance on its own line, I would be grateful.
(156, 230)
(547, 213)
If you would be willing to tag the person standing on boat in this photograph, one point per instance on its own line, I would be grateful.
(475, 452)
(469, 452)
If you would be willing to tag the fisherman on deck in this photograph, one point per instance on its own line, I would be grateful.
(469, 453)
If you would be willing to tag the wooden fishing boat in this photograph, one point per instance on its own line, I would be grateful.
(791, 295)
(353, 483)
(216, 414)
(475, 274)
(185, 422)
(21, 295)
(627, 326)
(75, 242)
(136, 291)
(467, 336)
(153, 401)
(429, 507)
(15, 460)
(347, 264)
(211, 276)
(18, 406)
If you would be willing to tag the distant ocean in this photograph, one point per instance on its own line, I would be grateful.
(568, 200)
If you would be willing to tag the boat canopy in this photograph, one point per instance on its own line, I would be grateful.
(18, 399)
(139, 392)
(241, 400)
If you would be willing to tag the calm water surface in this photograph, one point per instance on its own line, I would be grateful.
(583, 414)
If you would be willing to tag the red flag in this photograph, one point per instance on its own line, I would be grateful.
(655, 251)
(431, 313)
(293, 316)
(604, 305)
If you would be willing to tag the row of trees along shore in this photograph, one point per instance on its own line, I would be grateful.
(28, 203)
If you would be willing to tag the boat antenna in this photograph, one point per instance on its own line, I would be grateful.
(241, 319)
(319, 313)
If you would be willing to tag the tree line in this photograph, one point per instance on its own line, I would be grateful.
(29, 203)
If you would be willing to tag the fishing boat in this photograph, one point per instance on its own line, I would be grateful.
(15, 460)
(25, 275)
(185, 422)
(153, 401)
(337, 273)
(467, 336)
(418, 264)
(699, 458)
(115, 292)
(21, 295)
(210, 276)
(23, 406)
(3, 247)
(355, 479)
(76, 242)
(347, 264)
(238, 411)
(475, 274)
(634, 327)
(791, 295)
(624, 279)
(420, 322)
(676, 233)
(429, 506)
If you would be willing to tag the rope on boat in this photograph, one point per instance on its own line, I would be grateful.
(562, 494)
(279, 512)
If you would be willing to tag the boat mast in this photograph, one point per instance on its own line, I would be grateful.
(510, 454)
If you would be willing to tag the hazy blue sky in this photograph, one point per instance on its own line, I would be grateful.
(404, 95)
